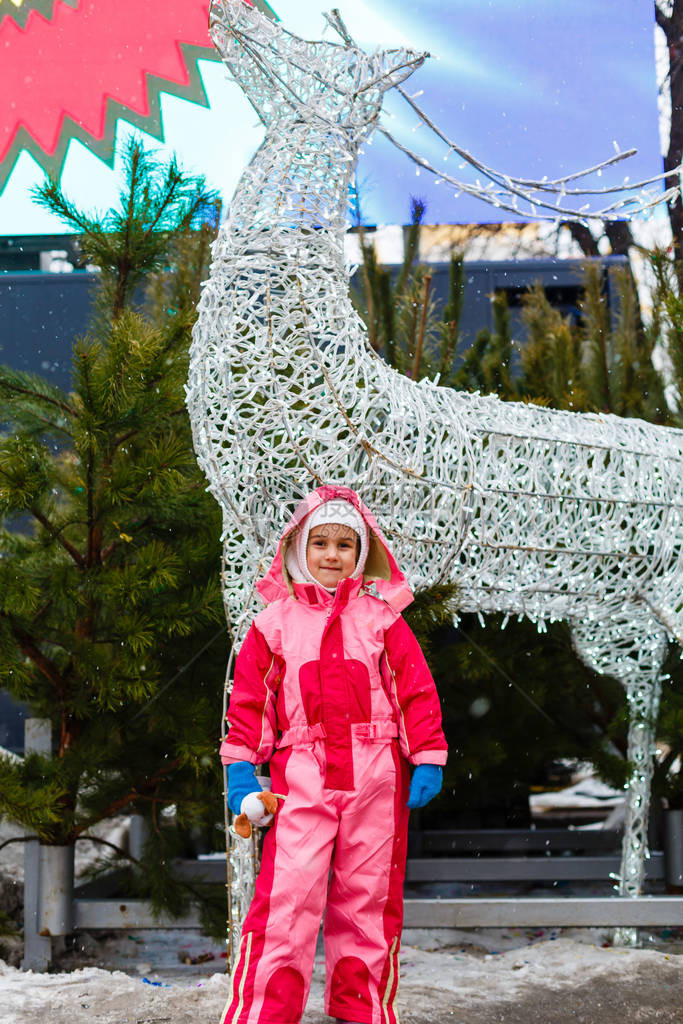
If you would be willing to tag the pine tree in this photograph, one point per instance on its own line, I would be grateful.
(111, 620)
(399, 310)
(594, 364)
(667, 323)
(486, 365)
(551, 372)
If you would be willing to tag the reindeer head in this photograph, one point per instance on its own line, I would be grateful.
(288, 78)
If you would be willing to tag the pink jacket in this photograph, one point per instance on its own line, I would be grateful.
(316, 665)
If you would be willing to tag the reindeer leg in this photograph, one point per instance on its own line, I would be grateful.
(643, 695)
(633, 650)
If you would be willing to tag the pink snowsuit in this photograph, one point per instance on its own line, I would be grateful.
(334, 691)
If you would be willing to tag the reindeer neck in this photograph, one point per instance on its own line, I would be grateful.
(296, 190)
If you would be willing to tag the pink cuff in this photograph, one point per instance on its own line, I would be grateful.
(429, 757)
(231, 752)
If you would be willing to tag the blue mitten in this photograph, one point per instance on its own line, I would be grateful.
(425, 784)
(241, 781)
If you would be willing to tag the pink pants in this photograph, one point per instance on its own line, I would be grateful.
(343, 850)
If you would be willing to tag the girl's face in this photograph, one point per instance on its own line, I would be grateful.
(331, 553)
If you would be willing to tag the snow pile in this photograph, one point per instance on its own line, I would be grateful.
(588, 793)
(552, 981)
(93, 994)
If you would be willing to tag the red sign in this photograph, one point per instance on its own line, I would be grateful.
(70, 68)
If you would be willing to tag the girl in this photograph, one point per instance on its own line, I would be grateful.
(332, 688)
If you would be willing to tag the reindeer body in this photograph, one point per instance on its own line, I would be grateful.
(549, 514)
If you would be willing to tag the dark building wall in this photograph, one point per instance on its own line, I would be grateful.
(12, 717)
(560, 278)
(41, 315)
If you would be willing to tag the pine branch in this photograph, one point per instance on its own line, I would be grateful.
(451, 316)
(9, 385)
(16, 839)
(417, 212)
(30, 794)
(57, 535)
(84, 837)
(52, 199)
(173, 180)
(597, 337)
(29, 647)
(142, 792)
(421, 333)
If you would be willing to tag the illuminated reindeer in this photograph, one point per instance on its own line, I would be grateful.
(531, 511)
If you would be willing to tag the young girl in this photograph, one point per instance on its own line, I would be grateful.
(332, 688)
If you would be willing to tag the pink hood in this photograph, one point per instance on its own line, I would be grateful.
(380, 568)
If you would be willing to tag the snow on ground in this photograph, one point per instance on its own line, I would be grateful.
(480, 977)
(448, 976)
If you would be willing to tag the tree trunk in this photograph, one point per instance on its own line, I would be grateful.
(582, 234)
(620, 236)
(673, 30)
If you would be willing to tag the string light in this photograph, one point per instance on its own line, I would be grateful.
(536, 194)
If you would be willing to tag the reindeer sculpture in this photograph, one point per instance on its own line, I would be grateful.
(535, 512)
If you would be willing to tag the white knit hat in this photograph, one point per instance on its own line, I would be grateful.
(337, 510)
